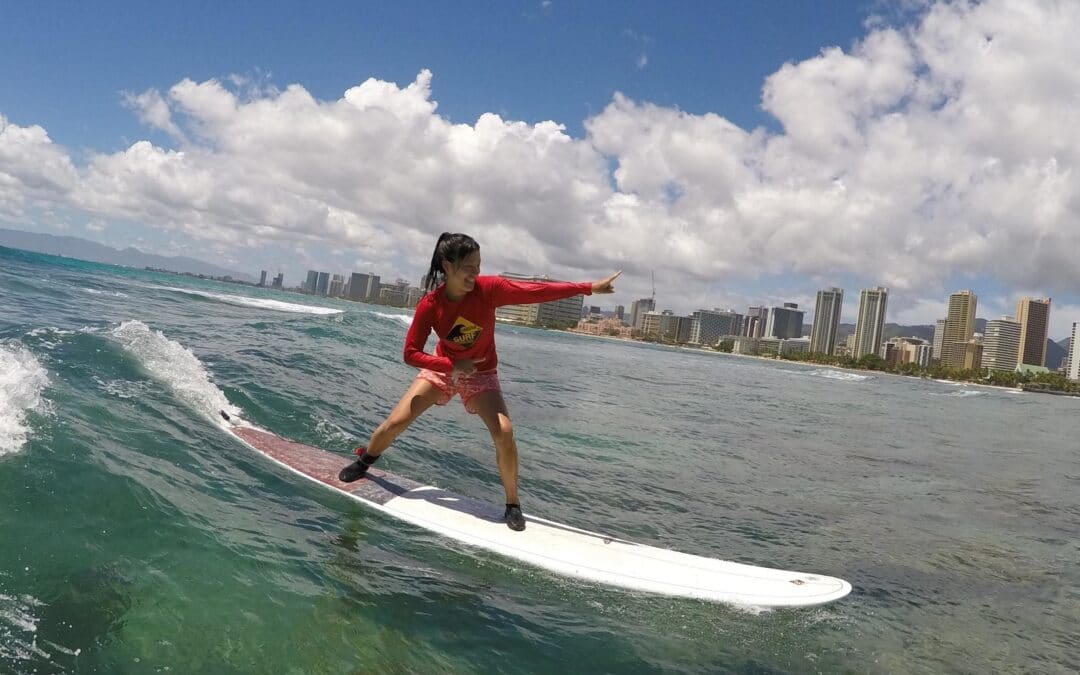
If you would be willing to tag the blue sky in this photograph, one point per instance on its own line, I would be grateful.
(746, 152)
(530, 61)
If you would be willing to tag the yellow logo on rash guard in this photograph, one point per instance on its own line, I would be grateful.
(464, 332)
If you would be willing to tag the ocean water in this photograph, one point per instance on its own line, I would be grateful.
(135, 537)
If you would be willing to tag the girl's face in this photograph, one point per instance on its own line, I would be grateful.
(461, 276)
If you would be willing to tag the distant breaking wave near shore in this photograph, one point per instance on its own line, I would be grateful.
(831, 374)
(258, 303)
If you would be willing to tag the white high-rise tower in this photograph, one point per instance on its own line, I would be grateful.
(826, 320)
(1072, 370)
(870, 326)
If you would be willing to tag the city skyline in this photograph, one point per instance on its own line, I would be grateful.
(872, 310)
(746, 157)
(996, 348)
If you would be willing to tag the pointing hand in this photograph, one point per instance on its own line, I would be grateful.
(606, 285)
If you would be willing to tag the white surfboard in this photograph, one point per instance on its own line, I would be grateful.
(562, 549)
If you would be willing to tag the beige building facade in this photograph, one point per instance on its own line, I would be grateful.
(959, 328)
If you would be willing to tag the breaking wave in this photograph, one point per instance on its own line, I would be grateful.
(400, 318)
(22, 379)
(258, 303)
(831, 374)
(175, 366)
(961, 393)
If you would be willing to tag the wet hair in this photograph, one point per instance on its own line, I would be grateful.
(452, 247)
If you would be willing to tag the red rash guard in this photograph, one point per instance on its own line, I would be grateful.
(466, 328)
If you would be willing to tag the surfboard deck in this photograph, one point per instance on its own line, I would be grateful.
(552, 546)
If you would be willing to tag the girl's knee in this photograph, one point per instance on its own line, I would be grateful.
(396, 423)
(503, 431)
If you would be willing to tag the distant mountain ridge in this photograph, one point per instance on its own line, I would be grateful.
(899, 330)
(91, 251)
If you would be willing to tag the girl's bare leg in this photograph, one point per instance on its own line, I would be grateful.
(491, 408)
(420, 396)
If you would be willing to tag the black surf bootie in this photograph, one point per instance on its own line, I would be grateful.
(514, 518)
(357, 469)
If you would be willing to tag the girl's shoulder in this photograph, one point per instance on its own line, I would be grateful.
(429, 300)
(486, 281)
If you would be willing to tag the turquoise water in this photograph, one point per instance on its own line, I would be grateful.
(135, 537)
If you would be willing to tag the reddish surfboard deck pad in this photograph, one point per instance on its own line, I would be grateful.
(378, 487)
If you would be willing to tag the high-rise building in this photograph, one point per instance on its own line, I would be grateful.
(664, 325)
(973, 351)
(1033, 315)
(900, 350)
(826, 320)
(638, 308)
(754, 323)
(784, 322)
(279, 281)
(1001, 344)
(322, 284)
(396, 293)
(415, 294)
(849, 344)
(373, 287)
(1072, 365)
(363, 286)
(870, 325)
(682, 330)
(262, 278)
(620, 312)
(337, 286)
(939, 339)
(959, 327)
(311, 282)
(708, 325)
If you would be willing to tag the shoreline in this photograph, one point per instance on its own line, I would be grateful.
(808, 363)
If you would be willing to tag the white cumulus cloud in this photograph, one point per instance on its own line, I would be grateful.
(33, 170)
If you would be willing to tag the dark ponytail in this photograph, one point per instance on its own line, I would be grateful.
(453, 248)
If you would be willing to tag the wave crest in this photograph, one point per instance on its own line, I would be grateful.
(400, 318)
(258, 303)
(22, 380)
(174, 365)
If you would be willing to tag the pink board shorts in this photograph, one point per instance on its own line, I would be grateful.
(466, 386)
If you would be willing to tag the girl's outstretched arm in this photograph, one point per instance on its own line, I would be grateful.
(514, 292)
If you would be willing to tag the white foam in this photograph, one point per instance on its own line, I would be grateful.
(22, 379)
(49, 330)
(839, 375)
(122, 388)
(401, 318)
(962, 393)
(831, 374)
(259, 303)
(18, 628)
(42, 335)
(174, 365)
(115, 294)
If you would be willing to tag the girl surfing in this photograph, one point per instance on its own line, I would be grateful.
(460, 308)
